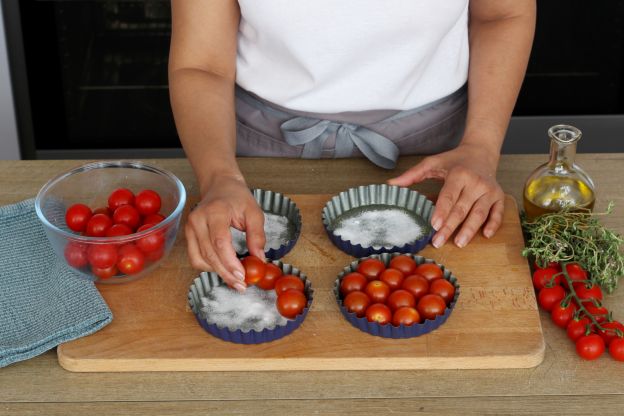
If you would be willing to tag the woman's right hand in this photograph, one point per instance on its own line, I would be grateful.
(226, 202)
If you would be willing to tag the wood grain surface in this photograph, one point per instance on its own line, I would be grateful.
(561, 385)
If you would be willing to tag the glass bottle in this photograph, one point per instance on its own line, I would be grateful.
(560, 183)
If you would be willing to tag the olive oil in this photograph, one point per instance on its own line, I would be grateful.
(560, 183)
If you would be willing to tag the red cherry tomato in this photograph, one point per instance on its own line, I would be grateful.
(254, 269)
(578, 327)
(120, 197)
(103, 210)
(616, 349)
(392, 277)
(430, 306)
(357, 302)
(153, 219)
(590, 347)
(429, 271)
(542, 277)
(550, 264)
(288, 282)
(599, 312)
(154, 241)
(371, 268)
(154, 255)
(562, 315)
(352, 282)
(576, 273)
(417, 285)
(102, 256)
(405, 264)
(131, 260)
(399, 299)
(443, 288)
(98, 225)
(271, 275)
(378, 312)
(377, 290)
(117, 230)
(290, 303)
(548, 297)
(405, 316)
(611, 331)
(76, 255)
(147, 202)
(128, 215)
(105, 273)
(587, 291)
(77, 217)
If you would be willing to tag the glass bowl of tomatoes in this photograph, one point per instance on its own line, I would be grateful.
(395, 295)
(112, 221)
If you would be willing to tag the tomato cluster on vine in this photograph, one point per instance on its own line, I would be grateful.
(575, 304)
(125, 214)
(404, 293)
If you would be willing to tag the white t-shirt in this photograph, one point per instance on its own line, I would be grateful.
(331, 56)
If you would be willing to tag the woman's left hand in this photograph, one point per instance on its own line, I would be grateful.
(470, 194)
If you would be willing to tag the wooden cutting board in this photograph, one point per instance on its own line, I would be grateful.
(495, 323)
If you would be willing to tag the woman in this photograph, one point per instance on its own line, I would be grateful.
(344, 78)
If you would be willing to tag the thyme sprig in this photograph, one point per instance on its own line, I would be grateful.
(580, 237)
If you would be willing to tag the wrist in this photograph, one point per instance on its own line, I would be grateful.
(212, 177)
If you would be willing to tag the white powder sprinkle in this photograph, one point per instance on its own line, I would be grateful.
(276, 231)
(253, 310)
(379, 227)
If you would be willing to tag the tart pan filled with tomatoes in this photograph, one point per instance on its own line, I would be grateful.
(396, 295)
(284, 286)
(378, 218)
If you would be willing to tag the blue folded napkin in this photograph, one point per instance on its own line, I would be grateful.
(43, 303)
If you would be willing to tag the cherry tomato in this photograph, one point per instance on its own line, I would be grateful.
(405, 264)
(392, 277)
(430, 306)
(587, 291)
(102, 256)
(77, 217)
(578, 327)
(550, 264)
(590, 347)
(399, 299)
(562, 315)
(371, 268)
(378, 312)
(117, 230)
(147, 202)
(155, 255)
(352, 282)
(103, 210)
(357, 302)
(576, 273)
(542, 277)
(98, 225)
(154, 241)
(616, 349)
(599, 312)
(120, 197)
(271, 275)
(548, 297)
(254, 269)
(128, 215)
(104, 273)
(405, 316)
(153, 219)
(131, 260)
(377, 290)
(610, 332)
(290, 303)
(429, 271)
(443, 288)
(288, 282)
(76, 255)
(417, 285)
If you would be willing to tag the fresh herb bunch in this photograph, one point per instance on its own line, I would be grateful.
(577, 236)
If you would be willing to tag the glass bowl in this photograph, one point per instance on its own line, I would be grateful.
(91, 184)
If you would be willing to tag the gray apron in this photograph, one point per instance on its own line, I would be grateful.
(266, 129)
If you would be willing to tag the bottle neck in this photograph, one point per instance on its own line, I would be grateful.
(562, 153)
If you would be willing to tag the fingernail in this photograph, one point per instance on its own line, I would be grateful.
(239, 275)
(240, 287)
(488, 233)
(461, 241)
(436, 224)
(438, 241)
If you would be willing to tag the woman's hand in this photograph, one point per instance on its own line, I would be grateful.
(470, 193)
(226, 202)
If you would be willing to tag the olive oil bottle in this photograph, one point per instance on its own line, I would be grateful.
(560, 183)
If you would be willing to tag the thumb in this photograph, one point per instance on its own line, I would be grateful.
(254, 228)
(413, 175)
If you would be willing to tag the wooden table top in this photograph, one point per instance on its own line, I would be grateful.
(562, 384)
